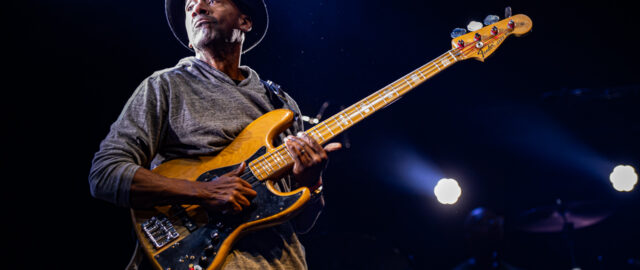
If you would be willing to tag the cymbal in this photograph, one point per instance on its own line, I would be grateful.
(553, 218)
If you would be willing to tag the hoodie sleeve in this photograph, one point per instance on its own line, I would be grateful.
(132, 142)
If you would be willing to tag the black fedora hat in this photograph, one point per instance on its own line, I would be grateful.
(255, 9)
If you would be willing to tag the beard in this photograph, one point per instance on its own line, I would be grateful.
(212, 36)
(207, 36)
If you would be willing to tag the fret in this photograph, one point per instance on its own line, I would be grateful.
(376, 101)
(420, 72)
(445, 62)
(381, 99)
(275, 158)
(415, 78)
(268, 164)
(405, 79)
(266, 172)
(288, 153)
(363, 109)
(395, 91)
(387, 94)
(337, 122)
(257, 170)
(384, 99)
(282, 158)
(313, 136)
(358, 111)
(344, 120)
(330, 131)
(319, 134)
(454, 58)
(436, 64)
(366, 107)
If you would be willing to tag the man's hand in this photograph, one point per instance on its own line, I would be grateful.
(309, 158)
(228, 192)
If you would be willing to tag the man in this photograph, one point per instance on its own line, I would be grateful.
(197, 108)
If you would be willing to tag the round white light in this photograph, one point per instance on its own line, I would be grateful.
(447, 191)
(623, 178)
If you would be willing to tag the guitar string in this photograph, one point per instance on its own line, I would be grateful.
(431, 70)
(254, 181)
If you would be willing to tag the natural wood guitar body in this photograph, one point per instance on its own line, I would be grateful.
(269, 208)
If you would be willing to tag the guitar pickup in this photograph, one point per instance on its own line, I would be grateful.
(181, 213)
(189, 224)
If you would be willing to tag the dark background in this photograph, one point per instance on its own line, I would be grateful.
(547, 116)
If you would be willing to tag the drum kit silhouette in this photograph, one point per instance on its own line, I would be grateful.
(563, 218)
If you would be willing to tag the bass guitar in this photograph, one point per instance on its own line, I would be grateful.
(186, 237)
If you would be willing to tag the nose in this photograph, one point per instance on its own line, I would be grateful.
(200, 8)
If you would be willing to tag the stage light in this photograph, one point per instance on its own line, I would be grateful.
(623, 178)
(447, 191)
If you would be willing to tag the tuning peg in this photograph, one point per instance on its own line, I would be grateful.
(458, 32)
(474, 25)
(507, 12)
(491, 19)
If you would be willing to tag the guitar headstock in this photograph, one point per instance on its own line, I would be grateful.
(483, 42)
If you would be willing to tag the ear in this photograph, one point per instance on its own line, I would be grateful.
(245, 23)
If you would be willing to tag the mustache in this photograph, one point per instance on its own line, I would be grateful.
(203, 18)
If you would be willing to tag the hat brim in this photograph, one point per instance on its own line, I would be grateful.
(256, 9)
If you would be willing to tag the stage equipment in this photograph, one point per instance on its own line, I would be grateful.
(447, 191)
(623, 178)
(555, 218)
(346, 143)
(186, 237)
(315, 120)
(563, 218)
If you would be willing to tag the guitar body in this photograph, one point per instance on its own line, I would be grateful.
(180, 237)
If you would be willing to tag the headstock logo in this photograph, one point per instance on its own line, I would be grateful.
(491, 46)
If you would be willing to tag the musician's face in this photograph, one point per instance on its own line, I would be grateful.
(212, 21)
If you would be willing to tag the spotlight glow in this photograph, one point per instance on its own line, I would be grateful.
(447, 191)
(623, 178)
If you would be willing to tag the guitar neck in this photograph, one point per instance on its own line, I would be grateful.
(280, 159)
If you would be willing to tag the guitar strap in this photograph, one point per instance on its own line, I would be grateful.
(276, 95)
(278, 98)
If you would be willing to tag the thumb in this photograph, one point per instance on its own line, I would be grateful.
(240, 168)
(333, 147)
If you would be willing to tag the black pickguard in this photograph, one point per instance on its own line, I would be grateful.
(201, 246)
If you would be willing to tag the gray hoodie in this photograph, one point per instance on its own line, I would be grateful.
(194, 109)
